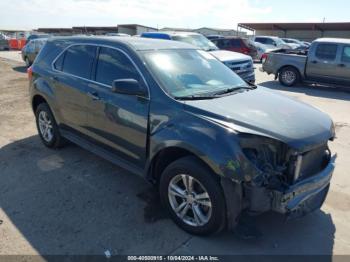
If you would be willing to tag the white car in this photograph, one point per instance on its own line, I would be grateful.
(300, 44)
(274, 42)
(262, 49)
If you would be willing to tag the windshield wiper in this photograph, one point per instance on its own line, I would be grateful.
(233, 89)
(194, 97)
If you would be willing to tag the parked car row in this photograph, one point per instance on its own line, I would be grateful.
(239, 63)
(214, 146)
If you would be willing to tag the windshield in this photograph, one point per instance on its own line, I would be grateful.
(279, 41)
(196, 40)
(189, 72)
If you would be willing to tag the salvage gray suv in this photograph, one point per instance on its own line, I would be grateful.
(213, 145)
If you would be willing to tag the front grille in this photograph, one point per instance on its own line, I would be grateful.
(240, 66)
(314, 161)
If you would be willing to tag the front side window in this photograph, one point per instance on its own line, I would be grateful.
(269, 41)
(190, 72)
(326, 51)
(113, 65)
(346, 54)
(78, 60)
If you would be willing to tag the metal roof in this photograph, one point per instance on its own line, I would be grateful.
(339, 26)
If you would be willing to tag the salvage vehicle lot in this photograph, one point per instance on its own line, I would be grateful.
(71, 202)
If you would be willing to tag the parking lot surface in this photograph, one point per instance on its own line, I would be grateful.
(70, 201)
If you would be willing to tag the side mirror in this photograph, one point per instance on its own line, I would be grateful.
(128, 87)
(274, 43)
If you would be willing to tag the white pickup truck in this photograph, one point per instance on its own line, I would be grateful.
(327, 62)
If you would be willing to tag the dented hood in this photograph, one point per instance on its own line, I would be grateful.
(265, 112)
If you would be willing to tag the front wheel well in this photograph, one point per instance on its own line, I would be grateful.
(37, 100)
(164, 158)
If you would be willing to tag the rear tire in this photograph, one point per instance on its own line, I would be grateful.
(47, 127)
(198, 209)
(289, 76)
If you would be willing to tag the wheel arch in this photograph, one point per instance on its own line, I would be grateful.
(37, 100)
(167, 155)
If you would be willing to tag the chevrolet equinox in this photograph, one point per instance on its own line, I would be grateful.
(212, 144)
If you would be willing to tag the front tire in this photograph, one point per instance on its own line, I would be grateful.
(47, 127)
(289, 76)
(193, 196)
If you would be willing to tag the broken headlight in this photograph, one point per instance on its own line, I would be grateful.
(268, 156)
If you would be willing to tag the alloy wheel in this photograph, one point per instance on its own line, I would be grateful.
(45, 126)
(289, 77)
(189, 200)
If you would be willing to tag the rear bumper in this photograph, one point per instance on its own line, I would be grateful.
(306, 195)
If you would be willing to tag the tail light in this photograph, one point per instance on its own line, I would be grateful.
(263, 58)
(30, 73)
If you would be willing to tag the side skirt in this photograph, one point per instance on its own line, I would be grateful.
(96, 149)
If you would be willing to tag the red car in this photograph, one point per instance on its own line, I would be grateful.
(236, 44)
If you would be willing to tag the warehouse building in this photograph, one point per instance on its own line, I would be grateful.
(302, 31)
(130, 29)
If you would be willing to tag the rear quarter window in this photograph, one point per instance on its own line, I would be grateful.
(58, 65)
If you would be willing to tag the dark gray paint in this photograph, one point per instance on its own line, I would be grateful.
(132, 130)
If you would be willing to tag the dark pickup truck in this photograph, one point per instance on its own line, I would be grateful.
(326, 62)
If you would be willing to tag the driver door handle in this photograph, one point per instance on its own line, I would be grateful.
(93, 96)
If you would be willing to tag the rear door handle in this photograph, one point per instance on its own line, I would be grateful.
(314, 62)
(93, 95)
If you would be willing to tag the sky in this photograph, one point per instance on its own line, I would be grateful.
(31, 14)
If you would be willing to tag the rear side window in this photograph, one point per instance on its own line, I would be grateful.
(346, 54)
(78, 60)
(112, 65)
(326, 51)
(30, 46)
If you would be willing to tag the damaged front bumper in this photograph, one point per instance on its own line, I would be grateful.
(304, 196)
